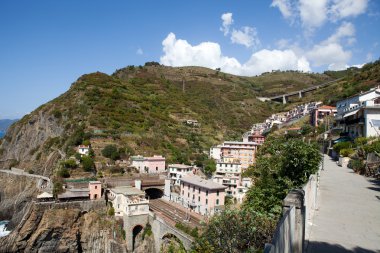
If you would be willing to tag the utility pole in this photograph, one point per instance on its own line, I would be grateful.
(183, 84)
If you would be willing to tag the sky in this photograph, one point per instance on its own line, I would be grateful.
(46, 45)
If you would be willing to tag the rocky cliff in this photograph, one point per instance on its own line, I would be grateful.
(47, 228)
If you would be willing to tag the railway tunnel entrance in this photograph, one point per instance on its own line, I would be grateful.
(154, 193)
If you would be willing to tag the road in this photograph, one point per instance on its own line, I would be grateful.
(347, 218)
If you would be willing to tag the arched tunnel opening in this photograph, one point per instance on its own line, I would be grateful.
(154, 193)
(136, 231)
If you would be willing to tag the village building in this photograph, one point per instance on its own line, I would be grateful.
(229, 175)
(45, 197)
(202, 196)
(254, 137)
(83, 149)
(154, 164)
(177, 171)
(318, 114)
(244, 152)
(128, 200)
(359, 115)
(74, 194)
(95, 188)
(215, 152)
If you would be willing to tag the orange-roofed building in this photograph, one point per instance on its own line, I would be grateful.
(318, 114)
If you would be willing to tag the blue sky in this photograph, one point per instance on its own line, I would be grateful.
(46, 45)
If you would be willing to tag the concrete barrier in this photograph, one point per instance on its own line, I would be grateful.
(293, 231)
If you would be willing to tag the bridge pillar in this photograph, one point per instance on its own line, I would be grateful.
(300, 94)
(284, 99)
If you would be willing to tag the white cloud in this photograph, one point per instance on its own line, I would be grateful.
(247, 36)
(139, 51)
(227, 22)
(345, 30)
(313, 13)
(284, 6)
(330, 51)
(179, 52)
(331, 54)
(347, 8)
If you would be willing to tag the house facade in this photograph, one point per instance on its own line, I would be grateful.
(95, 188)
(229, 175)
(129, 201)
(202, 196)
(177, 171)
(83, 149)
(244, 152)
(154, 164)
(318, 115)
(359, 116)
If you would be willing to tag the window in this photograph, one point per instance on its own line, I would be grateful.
(156, 168)
(193, 188)
(217, 193)
(206, 193)
(199, 198)
(199, 190)
(217, 201)
(183, 192)
(96, 187)
(206, 201)
(188, 194)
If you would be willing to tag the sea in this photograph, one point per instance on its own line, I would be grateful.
(1, 134)
(3, 228)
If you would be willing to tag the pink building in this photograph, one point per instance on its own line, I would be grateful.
(95, 188)
(203, 196)
(154, 164)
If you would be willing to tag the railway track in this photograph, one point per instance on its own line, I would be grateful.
(171, 214)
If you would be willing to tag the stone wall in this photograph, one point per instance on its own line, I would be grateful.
(293, 230)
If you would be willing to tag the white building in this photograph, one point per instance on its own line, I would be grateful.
(128, 200)
(359, 115)
(177, 171)
(216, 152)
(83, 150)
(229, 175)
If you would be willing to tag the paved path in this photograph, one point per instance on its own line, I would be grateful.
(348, 214)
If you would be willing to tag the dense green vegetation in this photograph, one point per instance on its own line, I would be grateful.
(282, 165)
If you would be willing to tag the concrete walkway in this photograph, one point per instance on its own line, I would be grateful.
(347, 218)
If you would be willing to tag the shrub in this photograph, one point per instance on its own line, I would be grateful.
(70, 164)
(110, 151)
(346, 152)
(64, 173)
(342, 145)
(357, 166)
(361, 141)
(87, 163)
(111, 211)
(31, 171)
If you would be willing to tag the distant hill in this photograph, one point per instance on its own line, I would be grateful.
(4, 124)
(143, 111)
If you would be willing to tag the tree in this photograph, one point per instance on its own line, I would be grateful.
(209, 167)
(64, 173)
(87, 163)
(70, 164)
(110, 151)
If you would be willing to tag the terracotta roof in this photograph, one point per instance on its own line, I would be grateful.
(327, 107)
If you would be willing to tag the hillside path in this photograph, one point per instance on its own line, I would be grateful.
(347, 218)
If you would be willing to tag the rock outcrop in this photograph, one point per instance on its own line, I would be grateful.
(48, 229)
